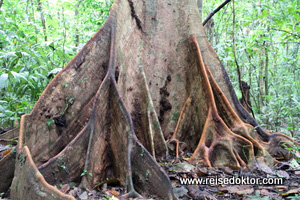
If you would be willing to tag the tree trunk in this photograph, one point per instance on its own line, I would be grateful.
(33, 17)
(139, 84)
(266, 73)
(40, 9)
(261, 83)
(64, 33)
(245, 100)
(76, 19)
(1, 3)
(199, 5)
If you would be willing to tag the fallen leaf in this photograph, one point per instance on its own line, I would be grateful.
(182, 167)
(283, 174)
(263, 167)
(296, 154)
(4, 147)
(111, 197)
(202, 171)
(240, 189)
(294, 164)
(212, 171)
(93, 193)
(232, 166)
(180, 191)
(221, 188)
(114, 192)
(195, 192)
(228, 170)
(263, 192)
(281, 187)
(73, 193)
(194, 175)
(84, 196)
(175, 183)
(292, 191)
(65, 188)
(199, 194)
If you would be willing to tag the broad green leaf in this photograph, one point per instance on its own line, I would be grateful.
(19, 54)
(25, 103)
(8, 55)
(264, 14)
(18, 76)
(247, 24)
(54, 71)
(53, 23)
(14, 62)
(3, 80)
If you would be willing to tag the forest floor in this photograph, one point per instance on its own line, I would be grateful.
(288, 171)
(215, 187)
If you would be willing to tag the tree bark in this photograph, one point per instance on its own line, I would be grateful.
(245, 100)
(40, 8)
(64, 33)
(266, 73)
(199, 4)
(117, 107)
(76, 30)
(1, 3)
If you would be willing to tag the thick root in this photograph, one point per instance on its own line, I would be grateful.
(105, 148)
(30, 183)
(224, 140)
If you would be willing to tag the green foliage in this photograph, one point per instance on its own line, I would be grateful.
(109, 198)
(49, 122)
(293, 149)
(27, 61)
(85, 172)
(267, 37)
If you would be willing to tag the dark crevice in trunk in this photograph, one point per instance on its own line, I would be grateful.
(134, 15)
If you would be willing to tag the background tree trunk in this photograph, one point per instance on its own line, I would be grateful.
(40, 9)
(76, 30)
(1, 3)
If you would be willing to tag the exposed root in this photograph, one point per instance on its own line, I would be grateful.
(177, 146)
(225, 140)
(107, 147)
(183, 112)
(130, 194)
(231, 118)
(30, 183)
(274, 147)
(218, 143)
(149, 132)
(219, 146)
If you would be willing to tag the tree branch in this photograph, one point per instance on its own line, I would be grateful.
(293, 34)
(40, 9)
(215, 11)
